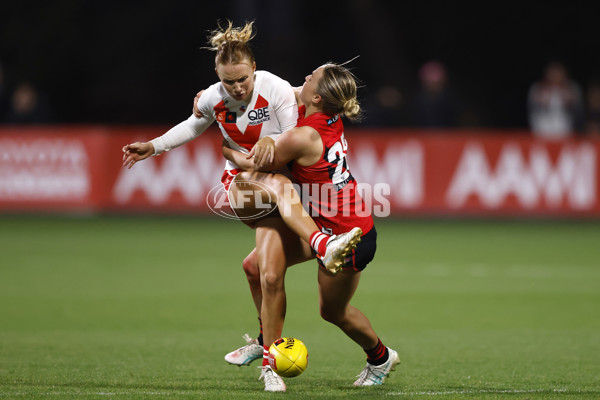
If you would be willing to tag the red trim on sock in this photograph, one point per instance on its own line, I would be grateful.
(318, 241)
(376, 353)
(265, 355)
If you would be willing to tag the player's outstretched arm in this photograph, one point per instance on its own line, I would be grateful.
(135, 152)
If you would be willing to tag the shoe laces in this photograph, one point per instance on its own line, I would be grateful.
(364, 374)
(251, 342)
(249, 339)
(370, 372)
(270, 377)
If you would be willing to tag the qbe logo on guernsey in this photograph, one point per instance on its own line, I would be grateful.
(258, 116)
(254, 198)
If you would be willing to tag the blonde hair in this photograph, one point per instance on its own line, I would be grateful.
(231, 44)
(338, 90)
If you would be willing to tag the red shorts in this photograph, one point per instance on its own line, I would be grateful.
(364, 253)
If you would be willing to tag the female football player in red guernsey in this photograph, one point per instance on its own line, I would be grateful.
(249, 105)
(318, 148)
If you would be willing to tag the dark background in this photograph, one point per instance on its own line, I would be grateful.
(142, 62)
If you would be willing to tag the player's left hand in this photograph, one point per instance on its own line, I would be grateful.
(135, 152)
(263, 152)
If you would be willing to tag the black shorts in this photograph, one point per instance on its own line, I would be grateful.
(363, 254)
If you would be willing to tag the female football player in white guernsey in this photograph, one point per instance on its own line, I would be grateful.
(249, 105)
(318, 149)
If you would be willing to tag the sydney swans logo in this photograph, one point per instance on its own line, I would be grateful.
(245, 200)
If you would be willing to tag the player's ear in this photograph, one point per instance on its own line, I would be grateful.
(253, 66)
(317, 99)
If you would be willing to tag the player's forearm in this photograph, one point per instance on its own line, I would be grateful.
(238, 158)
(180, 134)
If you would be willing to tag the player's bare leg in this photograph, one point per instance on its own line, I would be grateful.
(272, 267)
(250, 266)
(271, 239)
(253, 349)
(335, 293)
(277, 190)
(277, 248)
(296, 251)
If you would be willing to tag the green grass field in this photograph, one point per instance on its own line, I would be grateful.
(132, 307)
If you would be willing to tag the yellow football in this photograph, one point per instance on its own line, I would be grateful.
(288, 357)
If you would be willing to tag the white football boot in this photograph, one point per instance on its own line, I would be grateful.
(245, 354)
(338, 247)
(273, 382)
(376, 374)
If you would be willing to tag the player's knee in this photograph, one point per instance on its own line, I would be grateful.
(250, 267)
(272, 281)
(331, 315)
(279, 184)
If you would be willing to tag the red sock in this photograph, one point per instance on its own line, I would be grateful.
(318, 241)
(378, 354)
(265, 355)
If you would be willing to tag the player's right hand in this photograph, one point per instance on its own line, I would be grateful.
(263, 152)
(135, 152)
